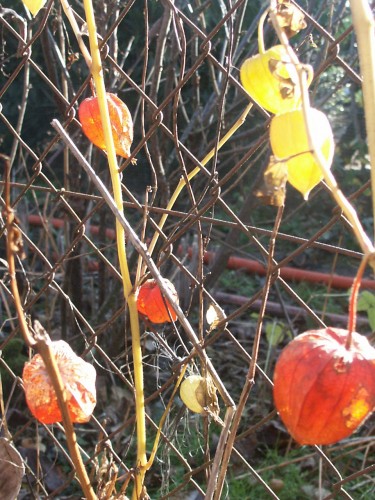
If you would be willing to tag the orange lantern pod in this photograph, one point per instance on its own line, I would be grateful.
(151, 303)
(79, 380)
(324, 390)
(121, 122)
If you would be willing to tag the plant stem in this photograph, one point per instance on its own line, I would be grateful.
(97, 73)
(77, 31)
(193, 173)
(42, 343)
(261, 47)
(353, 300)
(249, 382)
(364, 26)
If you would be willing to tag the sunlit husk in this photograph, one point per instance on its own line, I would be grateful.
(34, 6)
(120, 118)
(289, 143)
(79, 381)
(271, 80)
(322, 390)
(199, 395)
(152, 303)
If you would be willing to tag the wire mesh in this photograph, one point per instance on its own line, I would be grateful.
(176, 65)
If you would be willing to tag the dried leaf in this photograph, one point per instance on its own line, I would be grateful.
(12, 470)
(16, 243)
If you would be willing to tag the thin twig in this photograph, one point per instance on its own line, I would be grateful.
(249, 382)
(353, 300)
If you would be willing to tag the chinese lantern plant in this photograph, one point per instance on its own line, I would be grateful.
(79, 380)
(271, 78)
(324, 383)
(152, 303)
(290, 144)
(120, 118)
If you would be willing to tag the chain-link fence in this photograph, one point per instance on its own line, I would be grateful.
(176, 65)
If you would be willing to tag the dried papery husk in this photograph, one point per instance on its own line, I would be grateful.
(323, 390)
(79, 381)
(152, 303)
(12, 470)
(271, 79)
(272, 190)
(290, 17)
(120, 118)
(214, 316)
(290, 144)
(199, 395)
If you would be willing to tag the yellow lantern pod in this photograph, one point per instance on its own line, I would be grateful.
(34, 6)
(271, 79)
(289, 143)
(199, 395)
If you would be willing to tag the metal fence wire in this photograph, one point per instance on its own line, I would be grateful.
(176, 65)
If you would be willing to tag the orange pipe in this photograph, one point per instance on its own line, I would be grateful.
(36, 220)
(292, 274)
(236, 263)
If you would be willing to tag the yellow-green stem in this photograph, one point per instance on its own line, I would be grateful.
(97, 73)
(261, 47)
(193, 173)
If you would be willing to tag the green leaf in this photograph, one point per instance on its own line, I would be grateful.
(274, 334)
(366, 302)
(371, 318)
